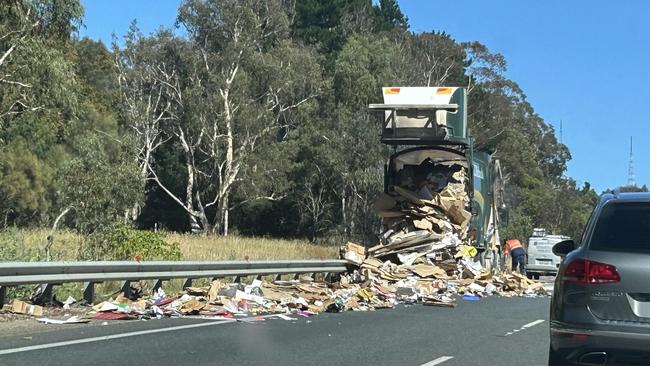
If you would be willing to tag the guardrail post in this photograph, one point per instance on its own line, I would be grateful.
(89, 292)
(328, 277)
(187, 283)
(278, 277)
(296, 276)
(156, 285)
(126, 289)
(3, 295)
(47, 293)
(237, 279)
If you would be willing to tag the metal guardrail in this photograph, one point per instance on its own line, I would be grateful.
(49, 274)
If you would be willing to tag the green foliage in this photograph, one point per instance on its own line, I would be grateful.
(24, 181)
(389, 16)
(8, 246)
(101, 183)
(643, 188)
(123, 242)
(361, 70)
(58, 18)
(320, 22)
(13, 248)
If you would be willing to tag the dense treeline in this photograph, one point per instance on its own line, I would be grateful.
(254, 121)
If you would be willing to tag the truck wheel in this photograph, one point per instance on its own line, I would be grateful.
(536, 276)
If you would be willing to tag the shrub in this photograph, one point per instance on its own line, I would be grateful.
(13, 248)
(122, 242)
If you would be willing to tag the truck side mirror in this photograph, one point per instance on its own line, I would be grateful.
(564, 247)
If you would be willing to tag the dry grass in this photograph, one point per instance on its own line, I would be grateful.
(30, 244)
(66, 243)
(198, 247)
(193, 247)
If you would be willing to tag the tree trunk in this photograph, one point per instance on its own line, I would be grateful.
(221, 217)
(225, 221)
(50, 238)
(207, 227)
(345, 221)
(195, 226)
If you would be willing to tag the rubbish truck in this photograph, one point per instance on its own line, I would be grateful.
(430, 146)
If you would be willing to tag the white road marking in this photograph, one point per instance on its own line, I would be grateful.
(438, 361)
(109, 337)
(532, 324)
(526, 326)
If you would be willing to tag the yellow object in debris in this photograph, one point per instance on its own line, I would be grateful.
(365, 294)
(466, 251)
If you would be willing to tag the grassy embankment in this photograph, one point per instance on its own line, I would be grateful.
(193, 247)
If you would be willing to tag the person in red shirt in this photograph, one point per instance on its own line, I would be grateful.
(517, 253)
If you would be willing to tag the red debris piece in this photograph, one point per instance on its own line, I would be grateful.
(113, 316)
(164, 301)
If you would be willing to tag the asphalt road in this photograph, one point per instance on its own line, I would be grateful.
(493, 331)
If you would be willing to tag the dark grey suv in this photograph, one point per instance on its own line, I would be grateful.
(600, 311)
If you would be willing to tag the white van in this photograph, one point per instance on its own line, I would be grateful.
(541, 260)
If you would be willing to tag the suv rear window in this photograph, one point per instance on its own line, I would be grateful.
(623, 226)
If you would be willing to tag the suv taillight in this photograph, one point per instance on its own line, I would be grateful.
(586, 272)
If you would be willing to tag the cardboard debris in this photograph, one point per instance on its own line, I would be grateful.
(425, 270)
(21, 307)
(355, 253)
(192, 306)
(213, 292)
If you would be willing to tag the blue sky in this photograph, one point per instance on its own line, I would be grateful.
(582, 62)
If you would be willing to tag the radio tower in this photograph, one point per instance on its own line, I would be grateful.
(630, 173)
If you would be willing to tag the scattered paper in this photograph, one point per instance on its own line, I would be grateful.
(70, 320)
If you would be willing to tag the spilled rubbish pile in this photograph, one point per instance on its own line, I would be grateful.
(426, 215)
(424, 254)
(219, 300)
(430, 282)
(371, 285)
(374, 285)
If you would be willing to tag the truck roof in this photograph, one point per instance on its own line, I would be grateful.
(424, 115)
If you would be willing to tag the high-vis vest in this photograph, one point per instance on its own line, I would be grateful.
(511, 244)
